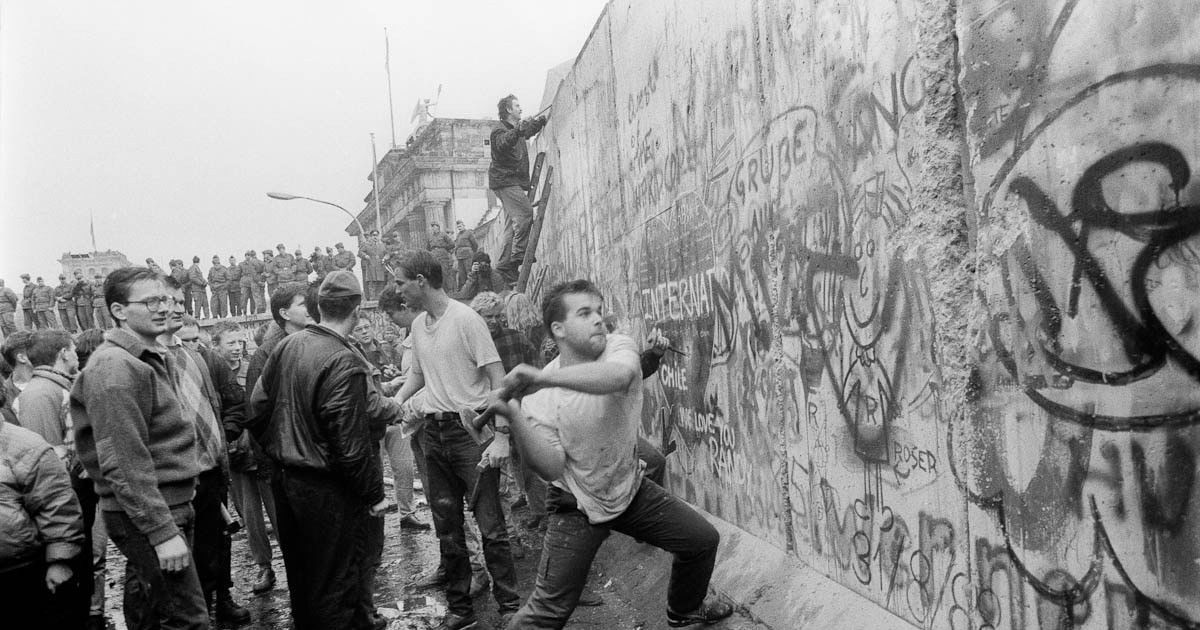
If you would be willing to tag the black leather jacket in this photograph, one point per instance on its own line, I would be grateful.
(312, 409)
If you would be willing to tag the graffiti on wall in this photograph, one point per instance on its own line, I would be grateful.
(1081, 445)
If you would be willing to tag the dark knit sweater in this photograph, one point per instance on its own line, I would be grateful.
(131, 435)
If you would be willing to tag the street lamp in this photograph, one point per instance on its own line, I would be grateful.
(362, 232)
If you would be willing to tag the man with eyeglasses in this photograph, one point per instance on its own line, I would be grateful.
(141, 451)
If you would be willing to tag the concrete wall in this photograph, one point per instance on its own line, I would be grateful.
(851, 215)
(1080, 451)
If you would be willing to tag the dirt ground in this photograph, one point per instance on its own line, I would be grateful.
(407, 556)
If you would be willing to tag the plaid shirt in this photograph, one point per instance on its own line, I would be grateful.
(514, 349)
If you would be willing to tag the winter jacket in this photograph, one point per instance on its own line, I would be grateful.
(39, 514)
(465, 245)
(43, 298)
(233, 278)
(62, 295)
(300, 269)
(27, 296)
(310, 410)
(8, 300)
(342, 260)
(510, 155)
(196, 277)
(45, 406)
(251, 272)
(486, 279)
(98, 295)
(83, 293)
(218, 277)
(131, 434)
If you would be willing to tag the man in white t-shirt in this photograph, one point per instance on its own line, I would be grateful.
(455, 361)
(577, 427)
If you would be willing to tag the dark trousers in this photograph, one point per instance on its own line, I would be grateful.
(67, 315)
(156, 599)
(322, 531)
(27, 604)
(83, 315)
(85, 492)
(235, 302)
(571, 543)
(518, 211)
(450, 458)
(212, 548)
(30, 318)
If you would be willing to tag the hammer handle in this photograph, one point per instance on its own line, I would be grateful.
(506, 394)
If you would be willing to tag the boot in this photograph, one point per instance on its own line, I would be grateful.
(265, 580)
(228, 611)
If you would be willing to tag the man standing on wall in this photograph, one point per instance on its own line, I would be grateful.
(251, 283)
(66, 306)
(27, 302)
(218, 276)
(508, 177)
(373, 272)
(81, 295)
(8, 307)
(442, 247)
(100, 313)
(456, 362)
(233, 282)
(199, 294)
(342, 259)
(43, 305)
(577, 427)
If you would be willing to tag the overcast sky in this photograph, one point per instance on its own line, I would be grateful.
(169, 121)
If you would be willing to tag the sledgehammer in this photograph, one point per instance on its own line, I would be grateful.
(476, 425)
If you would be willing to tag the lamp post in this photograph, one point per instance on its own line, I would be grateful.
(362, 232)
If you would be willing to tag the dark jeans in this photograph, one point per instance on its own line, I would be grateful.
(322, 531)
(156, 599)
(571, 543)
(450, 458)
(27, 604)
(213, 545)
(85, 491)
(518, 211)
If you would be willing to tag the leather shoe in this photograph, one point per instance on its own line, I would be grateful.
(228, 611)
(590, 598)
(708, 612)
(457, 622)
(410, 522)
(265, 581)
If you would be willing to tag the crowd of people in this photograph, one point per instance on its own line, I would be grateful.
(158, 436)
(145, 428)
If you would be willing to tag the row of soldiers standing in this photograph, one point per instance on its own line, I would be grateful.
(79, 303)
(238, 289)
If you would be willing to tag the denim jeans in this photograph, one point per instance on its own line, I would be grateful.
(252, 494)
(155, 598)
(450, 456)
(518, 211)
(571, 543)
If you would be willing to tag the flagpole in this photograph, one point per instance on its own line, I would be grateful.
(387, 67)
(92, 221)
(375, 183)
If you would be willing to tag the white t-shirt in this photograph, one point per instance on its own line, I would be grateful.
(598, 433)
(449, 354)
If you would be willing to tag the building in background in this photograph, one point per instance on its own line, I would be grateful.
(440, 175)
(92, 263)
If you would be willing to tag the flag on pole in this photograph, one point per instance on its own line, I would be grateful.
(92, 217)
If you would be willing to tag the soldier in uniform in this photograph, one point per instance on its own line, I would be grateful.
(300, 268)
(442, 247)
(233, 282)
(27, 302)
(66, 306)
(270, 275)
(342, 259)
(81, 293)
(199, 294)
(99, 308)
(320, 263)
(8, 306)
(374, 276)
(43, 305)
(251, 283)
(218, 278)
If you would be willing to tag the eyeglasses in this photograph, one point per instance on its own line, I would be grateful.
(155, 302)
